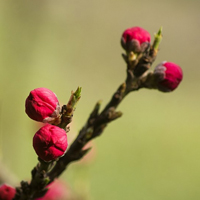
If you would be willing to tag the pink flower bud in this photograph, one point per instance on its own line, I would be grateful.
(50, 142)
(168, 76)
(90, 156)
(135, 39)
(42, 105)
(58, 190)
(7, 192)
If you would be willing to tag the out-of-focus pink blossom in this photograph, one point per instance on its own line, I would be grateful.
(7, 192)
(135, 39)
(42, 105)
(90, 156)
(169, 75)
(50, 142)
(58, 190)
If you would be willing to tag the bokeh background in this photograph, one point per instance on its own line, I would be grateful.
(153, 151)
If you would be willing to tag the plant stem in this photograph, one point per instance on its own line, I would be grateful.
(95, 125)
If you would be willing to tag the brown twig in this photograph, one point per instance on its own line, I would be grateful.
(137, 77)
(96, 123)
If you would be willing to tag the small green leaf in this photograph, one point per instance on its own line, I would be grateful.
(77, 93)
(157, 40)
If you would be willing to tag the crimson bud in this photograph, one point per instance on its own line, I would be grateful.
(7, 192)
(42, 105)
(168, 75)
(135, 39)
(50, 142)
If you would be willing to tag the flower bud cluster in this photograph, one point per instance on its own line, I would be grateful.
(50, 141)
(135, 41)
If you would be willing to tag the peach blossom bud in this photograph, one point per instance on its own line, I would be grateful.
(168, 75)
(7, 192)
(42, 105)
(50, 142)
(58, 190)
(135, 39)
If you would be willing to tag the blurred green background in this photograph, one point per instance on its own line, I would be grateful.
(153, 151)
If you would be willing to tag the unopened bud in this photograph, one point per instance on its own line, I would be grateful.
(7, 192)
(42, 105)
(57, 190)
(50, 142)
(135, 39)
(168, 75)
